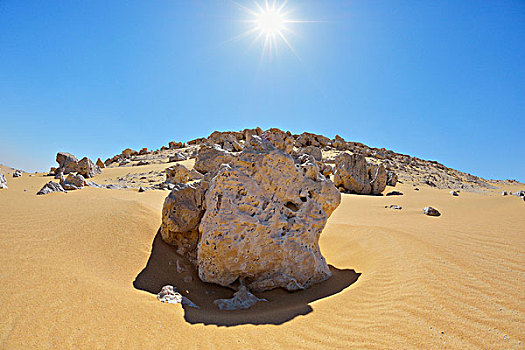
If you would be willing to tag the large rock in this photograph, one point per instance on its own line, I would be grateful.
(209, 158)
(73, 182)
(100, 164)
(353, 174)
(3, 181)
(87, 168)
(67, 163)
(228, 140)
(313, 151)
(262, 216)
(178, 173)
(50, 187)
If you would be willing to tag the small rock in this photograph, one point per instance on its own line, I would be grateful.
(504, 193)
(391, 178)
(142, 189)
(416, 189)
(87, 168)
(3, 182)
(431, 211)
(454, 193)
(51, 187)
(242, 299)
(17, 173)
(169, 294)
(394, 206)
(394, 193)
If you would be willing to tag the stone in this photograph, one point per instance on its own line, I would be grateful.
(94, 184)
(394, 206)
(50, 187)
(142, 162)
(3, 181)
(142, 189)
(178, 173)
(74, 182)
(313, 151)
(128, 152)
(504, 193)
(17, 173)
(143, 151)
(454, 193)
(394, 193)
(175, 145)
(281, 140)
(228, 140)
(431, 211)
(176, 157)
(68, 163)
(87, 168)
(169, 294)
(353, 174)
(520, 193)
(124, 162)
(242, 299)
(100, 164)
(391, 178)
(209, 158)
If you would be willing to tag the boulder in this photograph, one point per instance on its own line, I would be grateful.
(228, 140)
(17, 173)
(67, 163)
(339, 143)
(143, 151)
(50, 187)
(128, 152)
(87, 168)
(3, 181)
(209, 158)
(100, 164)
(177, 157)
(281, 140)
(73, 182)
(353, 174)
(431, 211)
(391, 178)
(257, 219)
(313, 151)
(178, 173)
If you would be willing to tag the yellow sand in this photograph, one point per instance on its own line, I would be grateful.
(401, 279)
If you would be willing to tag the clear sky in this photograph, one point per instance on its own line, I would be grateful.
(440, 80)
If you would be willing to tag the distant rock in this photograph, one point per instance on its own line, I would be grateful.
(87, 168)
(394, 193)
(74, 182)
(17, 173)
(391, 178)
(128, 152)
(209, 158)
(504, 193)
(124, 162)
(454, 193)
(175, 145)
(67, 163)
(3, 181)
(142, 189)
(176, 157)
(431, 211)
(520, 193)
(142, 162)
(100, 164)
(394, 206)
(353, 174)
(416, 189)
(143, 151)
(50, 187)
(242, 299)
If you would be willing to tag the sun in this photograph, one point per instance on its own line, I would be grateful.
(270, 24)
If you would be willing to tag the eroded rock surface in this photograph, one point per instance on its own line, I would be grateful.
(256, 216)
(242, 299)
(178, 173)
(67, 163)
(353, 174)
(87, 168)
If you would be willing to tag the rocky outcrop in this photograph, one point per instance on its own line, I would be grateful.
(228, 141)
(67, 163)
(87, 168)
(50, 187)
(256, 217)
(73, 182)
(313, 151)
(3, 181)
(100, 164)
(128, 153)
(431, 211)
(353, 174)
(175, 145)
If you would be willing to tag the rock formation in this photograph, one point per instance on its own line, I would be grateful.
(178, 173)
(87, 168)
(353, 174)
(50, 187)
(100, 164)
(3, 181)
(391, 178)
(67, 163)
(256, 217)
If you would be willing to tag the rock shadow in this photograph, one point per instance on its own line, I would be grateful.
(165, 266)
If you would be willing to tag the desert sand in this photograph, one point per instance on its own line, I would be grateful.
(82, 269)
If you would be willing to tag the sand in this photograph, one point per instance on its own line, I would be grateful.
(80, 270)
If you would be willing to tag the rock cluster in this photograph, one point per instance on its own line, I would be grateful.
(68, 163)
(255, 217)
(3, 181)
(353, 174)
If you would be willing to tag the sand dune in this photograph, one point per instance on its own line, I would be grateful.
(81, 270)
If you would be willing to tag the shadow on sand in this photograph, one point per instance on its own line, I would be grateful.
(162, 269)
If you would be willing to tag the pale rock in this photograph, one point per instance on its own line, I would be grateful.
(169, 294)
(3, 181)
(73, 182)
(68, 163)
(50, 187)
(17, 173)
(454, 193)
(242, 299)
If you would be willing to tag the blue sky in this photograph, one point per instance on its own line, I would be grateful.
(440, 80)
